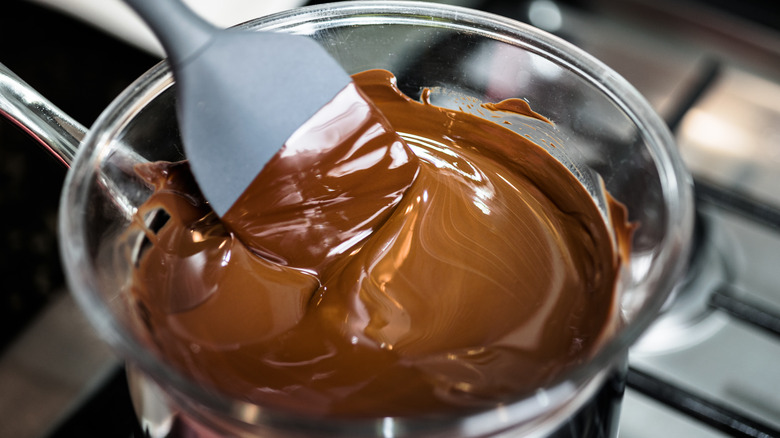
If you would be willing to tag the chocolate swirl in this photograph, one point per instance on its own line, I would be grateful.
(493, 274)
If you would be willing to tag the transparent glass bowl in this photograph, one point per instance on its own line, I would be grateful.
(603, 130)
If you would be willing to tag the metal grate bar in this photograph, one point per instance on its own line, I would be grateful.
(708, 73)
(746, 311)
(699, 408)
(738, 202)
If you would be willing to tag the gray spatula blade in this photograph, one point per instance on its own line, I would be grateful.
(228, 141)
(240, 94)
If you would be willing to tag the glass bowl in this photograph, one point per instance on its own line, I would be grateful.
(604, 131)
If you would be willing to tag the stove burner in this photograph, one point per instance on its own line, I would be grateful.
(687, 318)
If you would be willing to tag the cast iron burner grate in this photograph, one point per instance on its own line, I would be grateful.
(723, 298)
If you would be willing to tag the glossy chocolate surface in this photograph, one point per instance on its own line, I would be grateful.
(487, 272)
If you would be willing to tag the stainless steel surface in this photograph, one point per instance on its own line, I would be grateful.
(48, 370)
(732, 135)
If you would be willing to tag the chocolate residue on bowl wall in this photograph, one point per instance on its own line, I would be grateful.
(517, 106)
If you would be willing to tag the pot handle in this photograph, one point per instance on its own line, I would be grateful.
(46, 123)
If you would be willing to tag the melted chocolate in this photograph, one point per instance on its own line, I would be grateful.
(491, 276)
(333, 183)
(517, 106)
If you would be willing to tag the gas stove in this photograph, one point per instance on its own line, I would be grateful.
(706, 368)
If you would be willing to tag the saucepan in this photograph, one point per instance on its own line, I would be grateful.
(603, 128)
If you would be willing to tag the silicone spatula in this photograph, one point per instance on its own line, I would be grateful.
(241, 98)
(240, 94)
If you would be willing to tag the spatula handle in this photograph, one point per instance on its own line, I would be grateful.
(182, 32)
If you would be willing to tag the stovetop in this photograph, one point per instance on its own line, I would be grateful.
(710, 68)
